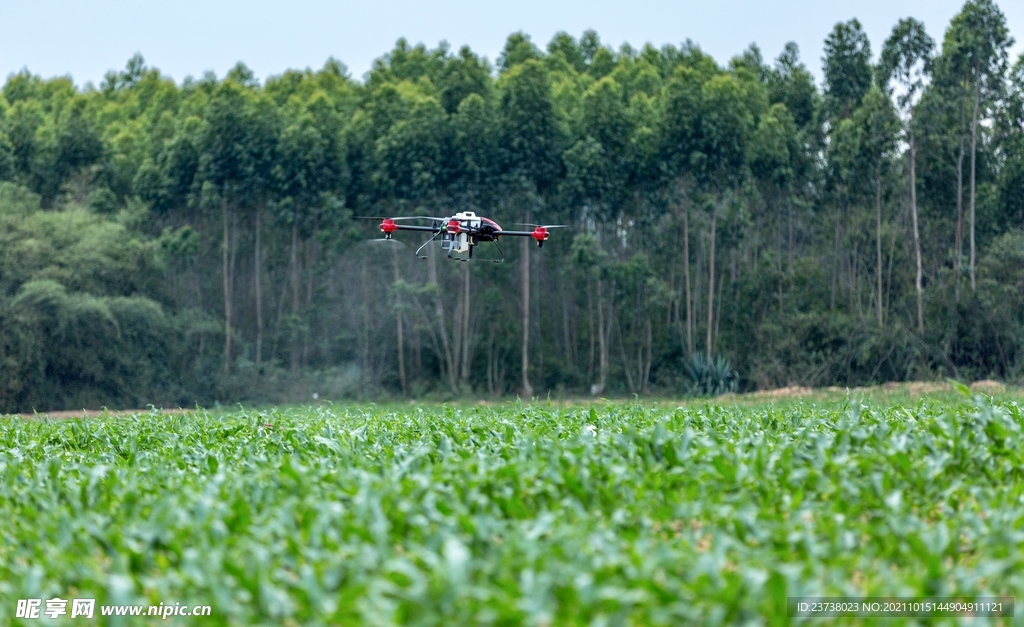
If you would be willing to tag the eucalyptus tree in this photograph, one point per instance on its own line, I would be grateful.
(847, 68)
(792, 84)
(68, 142)
(725, 126)
(6, 157)
(24, 118)
(167, 182)
(474, 179)
(571, 51)
(848, 77)
(413, 168)
(308, 171)
(223, 166)
(531, 142)
(475, 147)
(408, 63)
(596, 178)
(680, 147)
(878, 125)
(907, 59)
(842, 159)
(602, 63)
(946, 109)
(1011, 175)
(975, 56)
(774, 162)
(518, 49)
(263, 129)
(462, 75)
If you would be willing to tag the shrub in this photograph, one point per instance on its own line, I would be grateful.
(710, 377)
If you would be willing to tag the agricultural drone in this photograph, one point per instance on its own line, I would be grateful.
(462, 232)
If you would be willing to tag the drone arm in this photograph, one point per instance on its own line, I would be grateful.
(405, 227)
(539, 234)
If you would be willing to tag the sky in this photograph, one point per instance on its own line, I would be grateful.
(189, 37)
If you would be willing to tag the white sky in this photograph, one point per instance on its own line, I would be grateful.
(188, 37)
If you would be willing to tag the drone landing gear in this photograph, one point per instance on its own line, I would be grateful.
(500, 252)
(424, 244)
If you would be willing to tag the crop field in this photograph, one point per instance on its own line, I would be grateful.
(606, 514)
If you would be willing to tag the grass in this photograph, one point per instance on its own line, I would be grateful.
(610, 514)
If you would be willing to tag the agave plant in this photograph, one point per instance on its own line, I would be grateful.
(711, 377)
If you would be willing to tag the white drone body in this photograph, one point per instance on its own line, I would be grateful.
(458, 242)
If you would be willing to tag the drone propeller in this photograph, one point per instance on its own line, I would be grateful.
(393, 219)
(542, 226)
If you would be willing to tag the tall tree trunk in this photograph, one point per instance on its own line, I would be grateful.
(878, 242)
(364, 339)
(602, 339)
(622, 352)
(957, 262)
(467, 344)
(835, 257)
(281, 300)
(225, 260)
(888, 276)
(527, 388)
(294, 266)
(490, 363)
(792, 240)
(718, 311)
(855, 300)
(686, 280)
(311, 249)
(974, 158)
(567, 337)
(448, 356)
(257, 275)
(593, 332)
(699, 289)
(417, 350)
(917, 236)
(398, 317)
(711, 280)
(650, 357)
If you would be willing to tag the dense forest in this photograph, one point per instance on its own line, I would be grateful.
(196, 243)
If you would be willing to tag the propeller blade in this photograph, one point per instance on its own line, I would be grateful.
(543, 226)
(392, 219)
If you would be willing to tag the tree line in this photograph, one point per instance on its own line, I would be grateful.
(197, 242)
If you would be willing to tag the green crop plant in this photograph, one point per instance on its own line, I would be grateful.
(611, 514)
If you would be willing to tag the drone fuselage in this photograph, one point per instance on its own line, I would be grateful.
(456, 237)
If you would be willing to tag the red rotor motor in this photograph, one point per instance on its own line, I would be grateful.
(540, 234)
(388, 226)
(453, 227)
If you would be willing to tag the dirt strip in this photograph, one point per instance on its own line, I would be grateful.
(93, 413)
